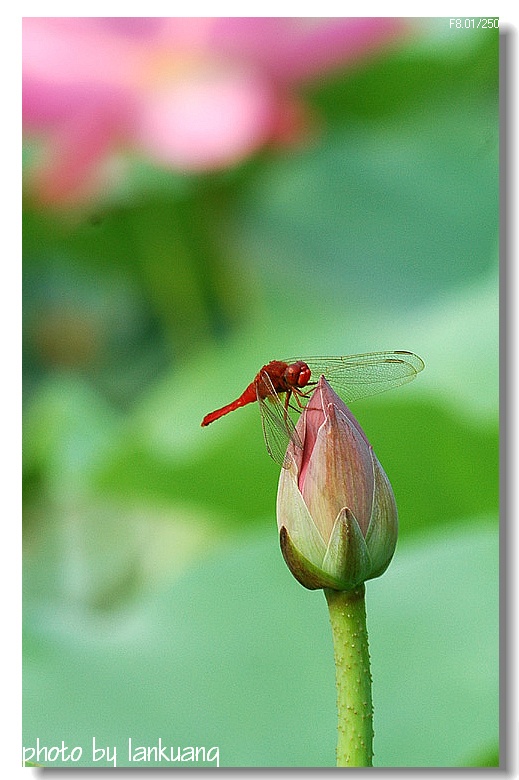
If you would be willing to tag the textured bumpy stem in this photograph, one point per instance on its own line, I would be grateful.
(354, 706)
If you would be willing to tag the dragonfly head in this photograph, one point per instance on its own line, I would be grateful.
(297, 374)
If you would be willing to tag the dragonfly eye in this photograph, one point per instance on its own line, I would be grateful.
(304, 375)
(297, 374)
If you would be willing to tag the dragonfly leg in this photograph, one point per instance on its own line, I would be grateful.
(309, 389)
(302, 394)
(296, 394)
(288, 405)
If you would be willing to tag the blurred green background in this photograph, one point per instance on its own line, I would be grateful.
(156, 601)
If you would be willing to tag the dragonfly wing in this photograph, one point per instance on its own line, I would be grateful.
(278, 427)
(360, 376)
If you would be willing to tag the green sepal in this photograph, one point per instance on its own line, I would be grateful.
(296, 517)
(305, 572)
(347, 556)
(383, 527)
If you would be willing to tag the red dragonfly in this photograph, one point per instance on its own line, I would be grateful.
(351, 376)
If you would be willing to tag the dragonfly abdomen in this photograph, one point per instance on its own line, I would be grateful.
(247, 397)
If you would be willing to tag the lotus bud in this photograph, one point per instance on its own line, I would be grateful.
(336, 510)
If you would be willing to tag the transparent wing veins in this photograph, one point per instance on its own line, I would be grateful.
(360, 376)
(278, 427)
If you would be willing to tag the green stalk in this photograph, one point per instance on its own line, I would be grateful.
(353, 676)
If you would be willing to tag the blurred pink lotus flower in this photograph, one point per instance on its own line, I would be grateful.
(194, 94)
